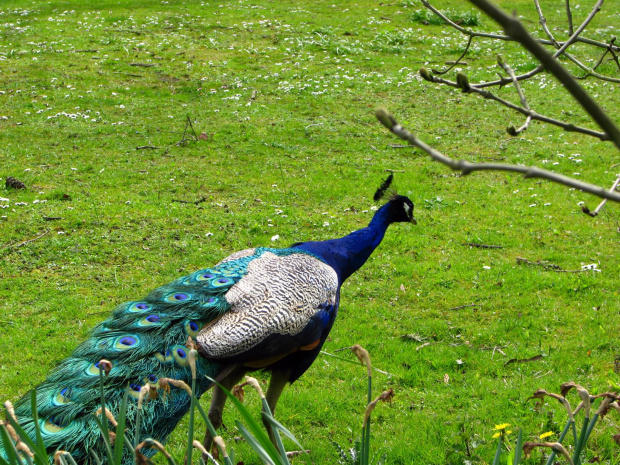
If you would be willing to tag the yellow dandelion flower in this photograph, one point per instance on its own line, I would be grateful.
(546, 435)
(496, 435)
(508, 432)
(502, 427)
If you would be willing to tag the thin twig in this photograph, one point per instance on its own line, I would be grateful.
(195, 202)
(515, 29)
(512, 130)
(143, 65)
(143, 147)
(602, 204)
(457, 60)
(19, 244)
(470, 32)
(464, 306)
(463, 83)
(482, 246)
(466, 167)
(569, 18)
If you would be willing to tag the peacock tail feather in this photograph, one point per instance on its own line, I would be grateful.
(144, 340)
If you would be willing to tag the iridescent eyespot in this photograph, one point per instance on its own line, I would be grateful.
(61, 398)
(92, 369)
(221, 282)
(126, 342)
(180, 355)
(178, 297)
(204, 275)
(152, 378)
(153, 318)
(52, 426)
(210, 301)
(192, 328)
(135, 387)
(139, 307)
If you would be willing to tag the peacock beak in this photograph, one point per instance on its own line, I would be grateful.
(413, 220)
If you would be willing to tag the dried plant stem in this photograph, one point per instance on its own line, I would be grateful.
(466, 167)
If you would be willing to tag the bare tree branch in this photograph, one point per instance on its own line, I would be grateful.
(511, 22)
(512, 130)
(471, 33)
(596, 211)
(569, 18)
(465, 167)
(463, 83)
(515, 29)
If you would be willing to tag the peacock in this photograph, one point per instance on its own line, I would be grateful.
(258, 309)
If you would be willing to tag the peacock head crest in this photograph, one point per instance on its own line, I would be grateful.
(401, 206)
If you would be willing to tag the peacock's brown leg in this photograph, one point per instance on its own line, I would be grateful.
(218, 399)
(278, 381)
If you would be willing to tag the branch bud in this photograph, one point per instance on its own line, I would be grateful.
(425, 75)
(462, 82)
(385, 118)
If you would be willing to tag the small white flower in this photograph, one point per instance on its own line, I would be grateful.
(325, 223)
(374, 208)
(486, 267)
(275, 238)
(209, 234)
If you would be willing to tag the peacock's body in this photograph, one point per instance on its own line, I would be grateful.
(260, 308)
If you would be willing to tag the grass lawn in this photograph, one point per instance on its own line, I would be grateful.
(95, 97)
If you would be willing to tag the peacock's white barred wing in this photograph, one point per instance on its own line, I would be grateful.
(279, 294)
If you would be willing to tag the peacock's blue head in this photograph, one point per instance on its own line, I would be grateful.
(401, 210)
(400, 207)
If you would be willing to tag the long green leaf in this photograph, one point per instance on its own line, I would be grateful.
(254, 426)
(9, 447)
(498, 452)
(519, 448)
(95, 456)
(581, 441)
(205, 417)
(42, 460)
(255, 444)
(277, 438)
(190, 430)
(103, 425)
(270, 418)
(120, 430)
(105, 439)
(37, 430)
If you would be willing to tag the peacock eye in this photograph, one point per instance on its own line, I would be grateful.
(153, 378)
(153, 318)
(221, 282)
(181, 353)
(210, 301)
(139, 307)
(135, 387)
(125, 342)
(178, 297)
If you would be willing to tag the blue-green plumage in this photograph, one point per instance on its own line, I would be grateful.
(259, 308)
(144, 340)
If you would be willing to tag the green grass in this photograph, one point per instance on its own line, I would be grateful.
(285, 93)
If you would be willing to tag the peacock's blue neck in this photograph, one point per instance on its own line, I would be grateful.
(347, 254)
